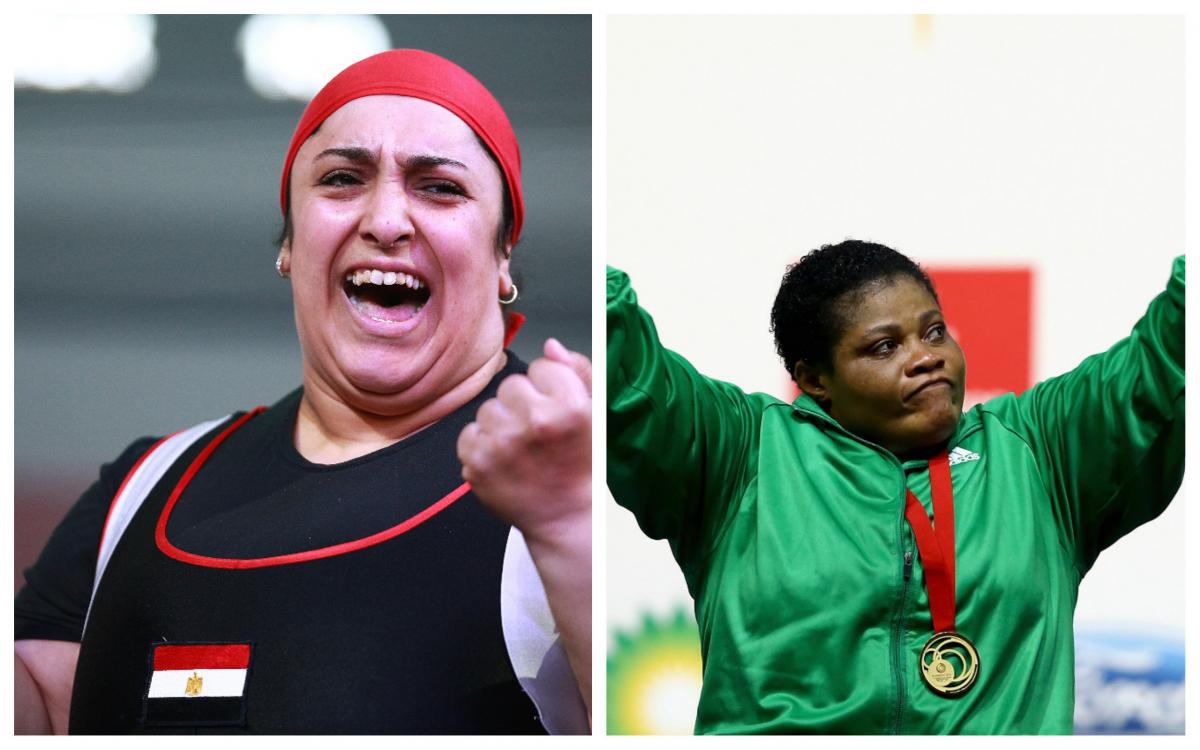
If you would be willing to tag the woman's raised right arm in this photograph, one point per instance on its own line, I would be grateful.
(677, 441)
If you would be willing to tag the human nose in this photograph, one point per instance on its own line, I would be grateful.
(387, 219)
(925, 359)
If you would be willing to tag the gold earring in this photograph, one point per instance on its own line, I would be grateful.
(512, 297)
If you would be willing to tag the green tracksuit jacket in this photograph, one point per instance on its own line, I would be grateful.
(791, 533)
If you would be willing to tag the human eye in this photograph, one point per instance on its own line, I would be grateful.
(339, 178)
(882, 348)
(936, 332)
(442, 189)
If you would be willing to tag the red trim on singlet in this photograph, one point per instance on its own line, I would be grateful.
(120, 490)
(233, 563)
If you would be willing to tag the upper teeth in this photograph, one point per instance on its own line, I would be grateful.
(386, 278)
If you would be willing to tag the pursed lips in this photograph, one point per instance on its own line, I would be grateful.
(929, 384)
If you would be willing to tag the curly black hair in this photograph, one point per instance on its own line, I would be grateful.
(808, 315)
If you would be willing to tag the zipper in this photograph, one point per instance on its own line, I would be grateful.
(897, 626)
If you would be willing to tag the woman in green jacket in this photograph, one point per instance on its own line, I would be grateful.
(869, 558)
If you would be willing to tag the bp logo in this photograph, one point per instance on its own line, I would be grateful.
(654, 677)
(1125, 684)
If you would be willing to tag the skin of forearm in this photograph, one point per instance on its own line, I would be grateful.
(29, 707)
(562, 554)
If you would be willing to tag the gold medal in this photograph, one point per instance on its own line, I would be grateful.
(949, 664)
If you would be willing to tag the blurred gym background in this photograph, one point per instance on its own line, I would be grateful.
(1035, 164)
(147, 160)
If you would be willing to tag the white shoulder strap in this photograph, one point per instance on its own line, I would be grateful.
(136, 487)
(533, 643)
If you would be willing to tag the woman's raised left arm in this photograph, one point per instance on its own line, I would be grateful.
(1109, 435)
(528, 457)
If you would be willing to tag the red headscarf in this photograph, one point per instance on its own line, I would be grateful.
(421, 75)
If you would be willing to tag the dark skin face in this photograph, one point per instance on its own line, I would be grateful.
(896, 377)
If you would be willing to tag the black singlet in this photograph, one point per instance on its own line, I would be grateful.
(399, 637)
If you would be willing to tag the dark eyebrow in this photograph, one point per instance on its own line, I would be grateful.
(893, 328)
(416, 162)
(425, 161)
(351, 153)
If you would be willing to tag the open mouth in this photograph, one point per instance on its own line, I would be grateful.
(385, 296)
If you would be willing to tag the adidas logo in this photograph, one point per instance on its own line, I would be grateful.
(962, 455)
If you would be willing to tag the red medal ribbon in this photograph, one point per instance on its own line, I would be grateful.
(936, 548)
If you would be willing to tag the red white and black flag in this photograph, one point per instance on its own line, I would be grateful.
(197, 684)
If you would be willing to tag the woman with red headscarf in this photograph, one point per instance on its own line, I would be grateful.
(320, 565)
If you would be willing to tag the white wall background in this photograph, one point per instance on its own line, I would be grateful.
(736, 144)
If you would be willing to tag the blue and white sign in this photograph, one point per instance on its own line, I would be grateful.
(1128, 684)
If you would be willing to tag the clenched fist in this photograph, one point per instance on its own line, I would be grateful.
(528, 454)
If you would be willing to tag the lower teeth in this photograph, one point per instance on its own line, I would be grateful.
(358, 305)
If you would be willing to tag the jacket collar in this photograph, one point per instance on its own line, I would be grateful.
(807, 407)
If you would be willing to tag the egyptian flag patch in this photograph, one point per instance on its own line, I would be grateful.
(197, 684)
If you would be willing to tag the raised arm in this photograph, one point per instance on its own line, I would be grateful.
(677, 441)
(1109, 435)
(528, 457)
